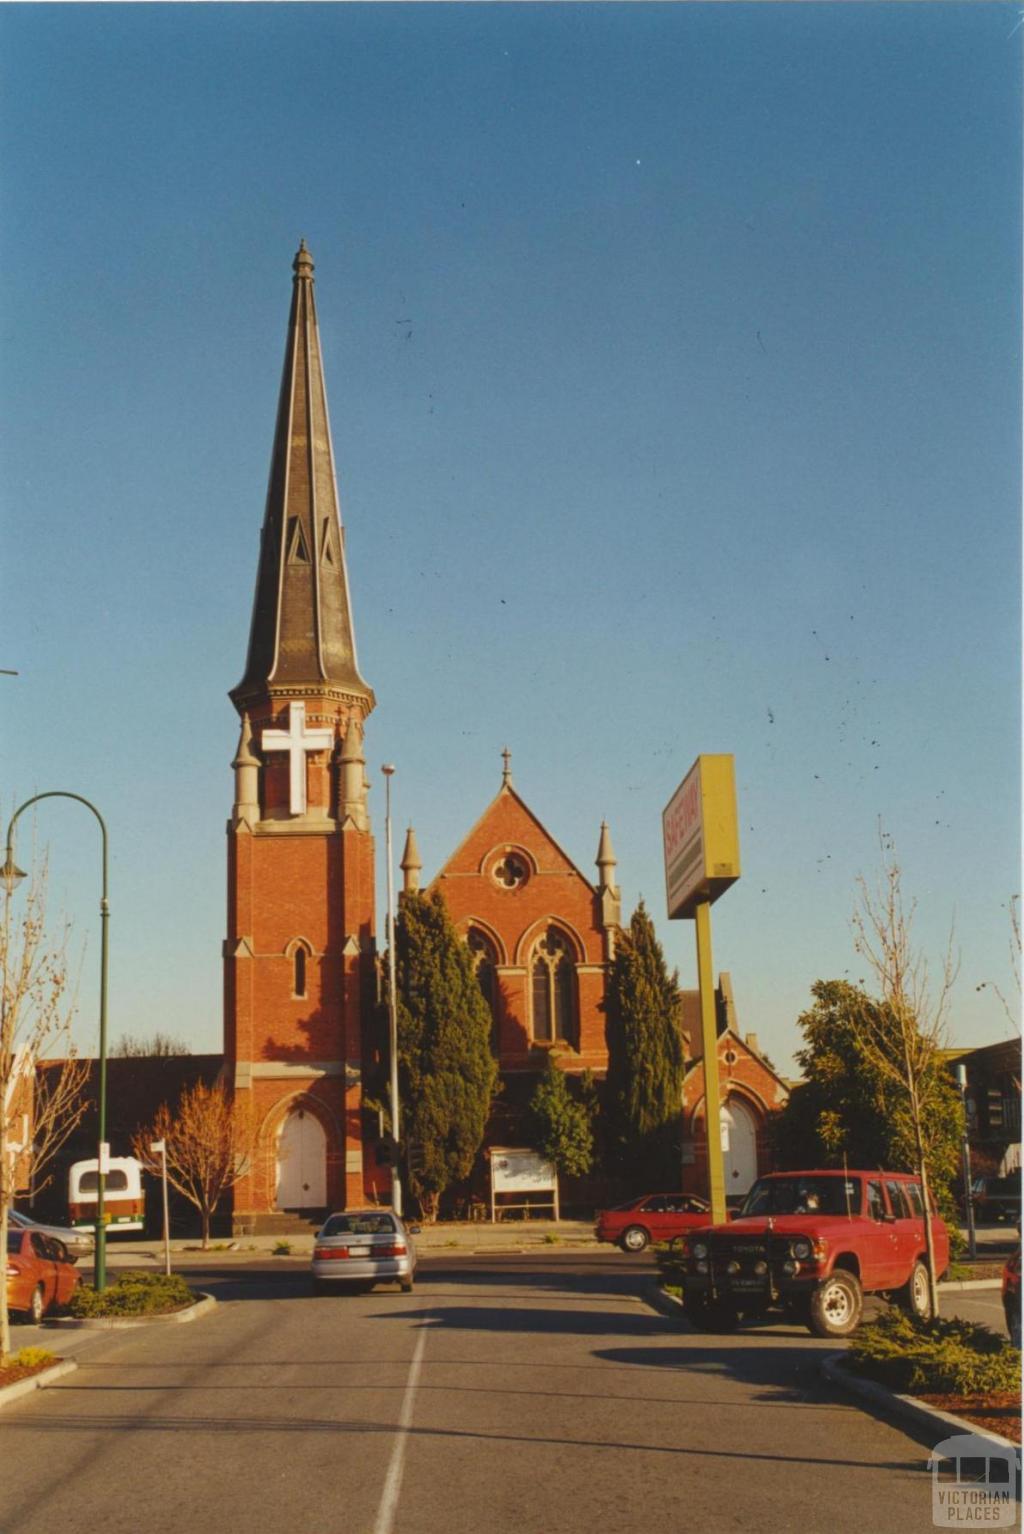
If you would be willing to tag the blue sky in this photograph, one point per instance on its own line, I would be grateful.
(673, 355)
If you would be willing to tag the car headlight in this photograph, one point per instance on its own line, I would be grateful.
(699, 1249)
(801, 1248)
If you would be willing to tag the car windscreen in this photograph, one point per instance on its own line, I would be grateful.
(359, 1225)
(803, 1195)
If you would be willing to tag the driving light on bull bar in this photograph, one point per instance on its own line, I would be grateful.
(700, 1249)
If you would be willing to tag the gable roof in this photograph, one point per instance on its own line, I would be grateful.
(502, 798)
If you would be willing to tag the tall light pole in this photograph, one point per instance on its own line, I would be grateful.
(11, 875)
(396, 1181)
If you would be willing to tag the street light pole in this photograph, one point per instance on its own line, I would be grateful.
(12, 875)
(396, 1181)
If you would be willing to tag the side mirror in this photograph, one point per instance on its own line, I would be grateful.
(414, 1230)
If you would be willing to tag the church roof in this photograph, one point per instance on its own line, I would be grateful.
(302, 635)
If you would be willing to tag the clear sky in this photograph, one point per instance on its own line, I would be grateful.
(673, 355)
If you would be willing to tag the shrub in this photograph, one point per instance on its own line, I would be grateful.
(960, 1357)
(133, 1294)
(282, 1249)
(32, 1358)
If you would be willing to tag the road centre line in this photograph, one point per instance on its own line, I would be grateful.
(393, 1480)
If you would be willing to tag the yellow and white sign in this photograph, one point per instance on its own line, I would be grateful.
(701, 835)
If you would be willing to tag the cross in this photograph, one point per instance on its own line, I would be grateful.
(297, 740)
(506, 776)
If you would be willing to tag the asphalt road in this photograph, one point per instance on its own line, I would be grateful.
(530, 1395)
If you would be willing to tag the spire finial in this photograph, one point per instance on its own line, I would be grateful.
(302, 266)
(506, 771)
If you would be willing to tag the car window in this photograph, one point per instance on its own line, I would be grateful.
(359, 1225)
(14, 1240)
(805, 1194)
(913, 1194)
(60, 1251)
(876, 1203)
(40, 1246)
(897, 1202)
(657, 1205)
(694, 1206)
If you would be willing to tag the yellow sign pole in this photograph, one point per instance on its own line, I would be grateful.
(709, 1042)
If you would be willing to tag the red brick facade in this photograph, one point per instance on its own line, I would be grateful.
(547, 931)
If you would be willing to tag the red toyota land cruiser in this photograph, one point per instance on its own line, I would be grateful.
(814, 1243)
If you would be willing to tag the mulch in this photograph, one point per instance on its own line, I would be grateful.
(997, 1413)
(15, 1372)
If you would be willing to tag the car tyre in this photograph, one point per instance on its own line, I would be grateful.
(915, 1296)
(635, 1239)
(836, 1305)
(406, 1284)
(37, 1306)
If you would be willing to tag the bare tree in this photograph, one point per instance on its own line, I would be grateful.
(42, 1098)
(161, 1046)
(1013, 1012)
(903, 1036)
(209, 1139)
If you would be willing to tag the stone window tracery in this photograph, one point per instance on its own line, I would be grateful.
(553, 989)
(511, 871)
(485, 964)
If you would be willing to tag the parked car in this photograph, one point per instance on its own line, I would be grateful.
(1011, 1297)
(996, 1198)
(654, 1217)
(40, 1273)
(80, 1243)
(363, 1246)
(814, 1243)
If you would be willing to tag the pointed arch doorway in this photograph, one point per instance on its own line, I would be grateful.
(301, 1162)
(739, 1147)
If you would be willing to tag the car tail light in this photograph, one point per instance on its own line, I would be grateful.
(398, 1250)
(329, 1253)
(13, 1272)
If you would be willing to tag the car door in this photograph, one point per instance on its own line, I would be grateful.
(879, 1242)
(65, 1275)
(45, 1267)
(655, 1217)
(906, 1231)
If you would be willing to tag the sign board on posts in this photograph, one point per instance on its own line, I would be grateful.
(521, 1171)
(701, 835)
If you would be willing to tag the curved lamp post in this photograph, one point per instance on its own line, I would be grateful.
(11, 875)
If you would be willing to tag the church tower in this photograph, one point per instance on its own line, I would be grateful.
(299, 955)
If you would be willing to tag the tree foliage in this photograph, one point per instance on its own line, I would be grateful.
(447, 1073)
(645, 1057)
(563, 1120)
(209, 1141)
(847, 1105)
(161, 1046)
(39, 1108)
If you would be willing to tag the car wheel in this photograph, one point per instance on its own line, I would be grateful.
(635, 1239)
(1013, 1324)
(836, 1305)
(406, 1284)
(37, 1305)
(915, 1296)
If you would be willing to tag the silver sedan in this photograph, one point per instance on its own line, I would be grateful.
(80, 1243)
(363, 1246)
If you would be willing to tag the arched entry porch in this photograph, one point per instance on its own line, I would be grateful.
(301, 1176)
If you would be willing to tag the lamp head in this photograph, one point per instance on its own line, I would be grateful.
(387, 769)
(10, 874)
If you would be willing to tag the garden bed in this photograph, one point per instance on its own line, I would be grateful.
(133, 1294)
(997, 1412)
(24, 1364)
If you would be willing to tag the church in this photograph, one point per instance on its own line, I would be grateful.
(301, 1012)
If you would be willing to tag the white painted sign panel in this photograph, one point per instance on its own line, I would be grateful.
(521, 1171)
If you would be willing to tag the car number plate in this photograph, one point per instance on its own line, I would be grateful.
(746, 1283)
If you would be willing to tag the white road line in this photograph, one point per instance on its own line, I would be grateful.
(393, 1481)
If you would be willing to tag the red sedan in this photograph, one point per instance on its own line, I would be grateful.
(40, 1273)
(654, 1217)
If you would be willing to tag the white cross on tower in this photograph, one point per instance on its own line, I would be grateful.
(297, 740)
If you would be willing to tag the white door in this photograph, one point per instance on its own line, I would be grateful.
(301, 1162)
(739, 1147)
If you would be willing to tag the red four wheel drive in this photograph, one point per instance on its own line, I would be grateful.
(814, 1243)
(654, 1217)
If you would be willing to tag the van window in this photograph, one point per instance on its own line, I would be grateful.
(896, 1201)
(913, 1193)
(116, 1181)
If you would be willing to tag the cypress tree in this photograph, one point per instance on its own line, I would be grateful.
(645, 1059)
(446, 1070)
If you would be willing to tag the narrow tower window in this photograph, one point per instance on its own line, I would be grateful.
(299, 978)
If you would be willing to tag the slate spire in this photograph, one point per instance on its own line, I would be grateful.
(302, 638)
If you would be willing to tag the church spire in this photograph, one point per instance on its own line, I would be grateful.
(301, 635)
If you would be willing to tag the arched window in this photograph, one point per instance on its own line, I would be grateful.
(553, 989)
(299, 973)
(485, 963)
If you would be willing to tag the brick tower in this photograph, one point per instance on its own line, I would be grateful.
(299, 955)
